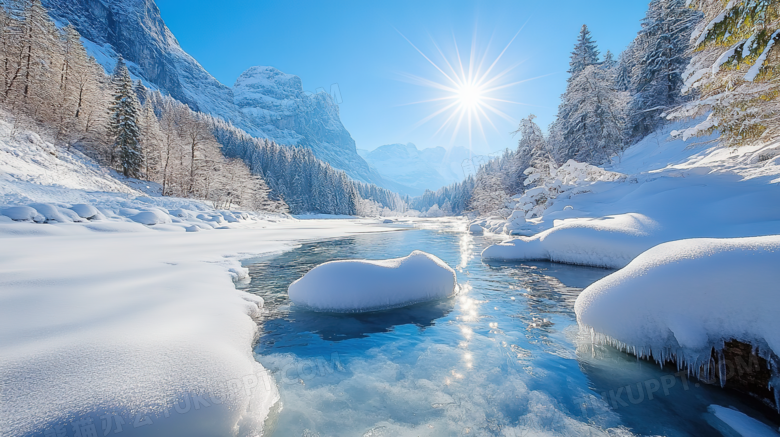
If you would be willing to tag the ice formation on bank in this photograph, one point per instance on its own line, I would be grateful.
(368, 285)
(680, 299)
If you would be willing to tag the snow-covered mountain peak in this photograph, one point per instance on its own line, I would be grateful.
(266, 81)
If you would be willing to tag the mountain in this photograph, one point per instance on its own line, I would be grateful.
(264, 102)
(417, 170)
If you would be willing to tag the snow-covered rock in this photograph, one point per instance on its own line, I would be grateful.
(476, 229)
(682, 298)
(368, 285)
(85, 211)
(151, 217)
(22, 213)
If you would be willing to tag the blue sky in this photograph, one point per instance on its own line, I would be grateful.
(361, 47)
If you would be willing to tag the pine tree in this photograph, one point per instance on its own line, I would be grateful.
(660, 57)
(609, 61)
(123, 125)
(585, 53)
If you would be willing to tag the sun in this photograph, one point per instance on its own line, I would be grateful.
(469, 96)
(472, 90)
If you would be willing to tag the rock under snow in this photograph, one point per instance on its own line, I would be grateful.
(684, 297)
(151, 217)
(368, 285)
(85, 211)
(22, 213)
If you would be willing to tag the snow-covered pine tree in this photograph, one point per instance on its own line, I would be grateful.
(589, 125)
(609, 61)
(123, 124)
(735, 69)
(585, 53)
(660, 56)
(592, 117)
(531, 148)
(140, 91)
(624, 70)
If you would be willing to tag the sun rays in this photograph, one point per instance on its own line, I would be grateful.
(473, 90)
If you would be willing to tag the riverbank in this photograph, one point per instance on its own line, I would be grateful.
(137, 329)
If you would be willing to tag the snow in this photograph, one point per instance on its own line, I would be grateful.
(688, 296)
(132, 322)
(112, 316)
(671, 190)
(756, 68)
(745, 425)
(725, 57)
(369, 285)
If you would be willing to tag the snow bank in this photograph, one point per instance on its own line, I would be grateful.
(609, 242)
(364, 285)
(682, 298)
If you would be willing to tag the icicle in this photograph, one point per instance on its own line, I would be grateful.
(722, 368)
(774, 383)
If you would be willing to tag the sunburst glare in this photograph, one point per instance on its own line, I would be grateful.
(473, 91)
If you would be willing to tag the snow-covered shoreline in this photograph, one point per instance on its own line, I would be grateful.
(125, 324)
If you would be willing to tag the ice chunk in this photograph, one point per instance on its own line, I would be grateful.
(367, 285)
(22, 213)
(151, 217)
(744, 425)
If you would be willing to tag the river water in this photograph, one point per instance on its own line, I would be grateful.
(503, 358)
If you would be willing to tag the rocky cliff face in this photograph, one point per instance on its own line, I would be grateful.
(264, 101)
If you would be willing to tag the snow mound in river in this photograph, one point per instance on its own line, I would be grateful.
(365, 285)
(685, 297)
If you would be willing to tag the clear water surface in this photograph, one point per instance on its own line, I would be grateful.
(503, 358)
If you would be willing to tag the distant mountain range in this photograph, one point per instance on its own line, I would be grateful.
(415, 170)
(264, 102)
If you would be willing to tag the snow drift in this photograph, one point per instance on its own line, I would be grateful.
(682, 298)
(367, 285)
